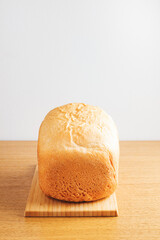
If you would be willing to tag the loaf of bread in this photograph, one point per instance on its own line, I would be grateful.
(78, 153)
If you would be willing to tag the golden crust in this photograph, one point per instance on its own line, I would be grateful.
(78, 153)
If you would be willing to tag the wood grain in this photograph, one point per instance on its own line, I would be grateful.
(39, 205)
(138, 196)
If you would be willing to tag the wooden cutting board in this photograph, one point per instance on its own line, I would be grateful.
(38, 204)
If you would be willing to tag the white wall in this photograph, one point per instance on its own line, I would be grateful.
(101, 52)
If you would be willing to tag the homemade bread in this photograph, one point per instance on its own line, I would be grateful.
(78, 153)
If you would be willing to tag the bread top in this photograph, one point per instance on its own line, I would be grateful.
(78, 127)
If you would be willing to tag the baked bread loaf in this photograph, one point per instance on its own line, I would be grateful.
(78, 153)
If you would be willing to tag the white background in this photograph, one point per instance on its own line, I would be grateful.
(102, 52)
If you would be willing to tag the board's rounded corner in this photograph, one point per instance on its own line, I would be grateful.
(116, 213)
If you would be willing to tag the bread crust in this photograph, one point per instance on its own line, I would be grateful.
(78, 153)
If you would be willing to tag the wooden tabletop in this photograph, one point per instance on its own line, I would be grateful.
(138, 196)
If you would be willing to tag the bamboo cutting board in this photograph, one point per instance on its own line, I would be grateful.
(38, 205)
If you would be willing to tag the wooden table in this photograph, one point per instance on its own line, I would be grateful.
(138, 197)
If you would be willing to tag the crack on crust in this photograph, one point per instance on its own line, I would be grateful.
(111, 160)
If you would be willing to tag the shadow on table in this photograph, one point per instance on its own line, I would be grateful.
(14, 189)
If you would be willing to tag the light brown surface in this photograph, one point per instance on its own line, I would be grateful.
(138, 196)
(38, 204)
(78, 153)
